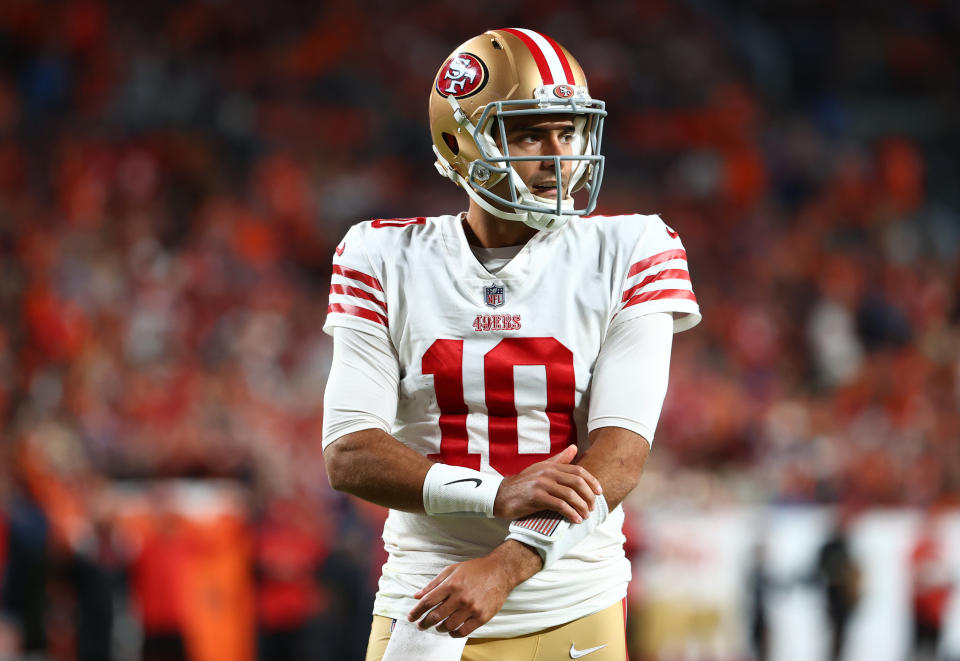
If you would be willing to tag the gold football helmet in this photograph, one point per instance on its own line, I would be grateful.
(504, 73)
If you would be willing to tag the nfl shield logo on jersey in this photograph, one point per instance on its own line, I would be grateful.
(493, 295)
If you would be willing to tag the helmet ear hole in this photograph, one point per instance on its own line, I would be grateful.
(451, 142)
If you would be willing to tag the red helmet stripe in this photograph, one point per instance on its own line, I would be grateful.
(564, 62)
(537, 53)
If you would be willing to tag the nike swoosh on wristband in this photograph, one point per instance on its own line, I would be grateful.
(576, 654)
(466, 479)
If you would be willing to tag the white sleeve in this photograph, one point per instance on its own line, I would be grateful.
(658, 279)
(357, 297)
(362, 388)
(631, 374)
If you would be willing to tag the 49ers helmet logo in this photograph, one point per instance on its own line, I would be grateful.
(463, 75)
(563, 91)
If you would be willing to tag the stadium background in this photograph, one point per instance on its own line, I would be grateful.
(174, 177)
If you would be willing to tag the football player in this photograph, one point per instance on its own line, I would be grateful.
(498, 373)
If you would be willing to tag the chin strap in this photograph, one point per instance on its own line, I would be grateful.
(542, 220)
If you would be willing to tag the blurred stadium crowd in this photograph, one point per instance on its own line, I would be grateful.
(174, 177)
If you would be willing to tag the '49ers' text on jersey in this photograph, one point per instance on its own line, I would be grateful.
(495, 373)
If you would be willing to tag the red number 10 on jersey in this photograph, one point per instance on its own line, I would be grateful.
(444, 360)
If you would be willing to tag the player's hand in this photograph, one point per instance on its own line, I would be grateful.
(553, 484)
(466, 595)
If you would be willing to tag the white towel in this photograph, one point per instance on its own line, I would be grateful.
(408, 643)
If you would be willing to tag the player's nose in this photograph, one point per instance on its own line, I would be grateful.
(551, 147)
(553, 144)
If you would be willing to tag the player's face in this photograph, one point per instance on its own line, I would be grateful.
(541, 135)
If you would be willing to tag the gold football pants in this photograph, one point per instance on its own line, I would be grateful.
(597, 637)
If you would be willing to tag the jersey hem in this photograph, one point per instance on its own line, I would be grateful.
(513, 632)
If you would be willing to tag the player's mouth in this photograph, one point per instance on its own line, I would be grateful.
(547, 189)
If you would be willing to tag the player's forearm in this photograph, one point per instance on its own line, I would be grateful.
(519, 560)
(616, 457)
(373, 465)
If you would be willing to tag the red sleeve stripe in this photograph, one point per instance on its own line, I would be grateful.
(657, 294)
(653, 260)
(666, 274)
(358, 293)
(368, 280)
(357, 311)
(545, 523)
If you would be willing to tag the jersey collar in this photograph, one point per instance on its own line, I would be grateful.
(463, 262)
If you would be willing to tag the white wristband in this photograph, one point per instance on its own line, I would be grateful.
(552, 535)
(457, 491)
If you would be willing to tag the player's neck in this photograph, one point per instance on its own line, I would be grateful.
(484, 229)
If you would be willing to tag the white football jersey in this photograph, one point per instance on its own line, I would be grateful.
(495, 374)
